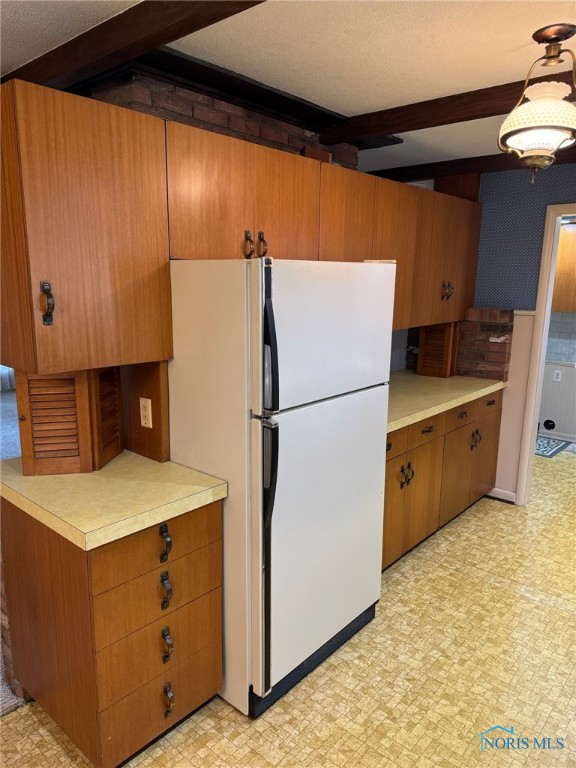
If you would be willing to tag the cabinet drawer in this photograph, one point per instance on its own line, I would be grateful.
(134, 555)
(426, 430)
(133, 605)
(461, 415)
(396, 443)
(489, 403)
(131, 662)
(139, 718)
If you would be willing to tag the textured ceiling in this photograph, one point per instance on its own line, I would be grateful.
(357, 56)
(31, 28)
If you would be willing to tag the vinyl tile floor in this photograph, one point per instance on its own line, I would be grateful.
(476, 628)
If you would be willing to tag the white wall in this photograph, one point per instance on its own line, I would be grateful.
(558, 401)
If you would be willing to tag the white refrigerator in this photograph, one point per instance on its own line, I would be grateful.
(279, 385)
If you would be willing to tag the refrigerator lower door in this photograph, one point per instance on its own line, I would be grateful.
(321, 540)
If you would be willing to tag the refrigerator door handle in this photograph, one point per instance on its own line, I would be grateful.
(270, 362)
(270, 443)
(269, 467)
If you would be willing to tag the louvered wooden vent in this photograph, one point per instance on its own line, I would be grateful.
(69, 422)
(437, 350)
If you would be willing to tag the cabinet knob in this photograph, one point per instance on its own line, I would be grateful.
(170, 700)
(48, 315)
(167, 542)
(262, 244)
(169, 645)
(248, 251)
(165, 581)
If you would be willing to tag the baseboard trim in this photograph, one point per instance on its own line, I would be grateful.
(502, 495)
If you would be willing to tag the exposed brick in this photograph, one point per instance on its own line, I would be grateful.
(473, 314)
(492, 346)
(243, 125)
(497, 357)
(173, 103)
(274, 132)
(468, 325)
(121, 95)
(141, 94)
(213, 116)
(156, 84)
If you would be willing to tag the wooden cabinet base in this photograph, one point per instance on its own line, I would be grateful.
(114, 696)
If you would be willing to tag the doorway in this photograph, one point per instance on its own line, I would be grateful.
(554, 216)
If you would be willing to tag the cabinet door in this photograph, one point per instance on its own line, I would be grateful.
(287, 203)
(462, 235)
(485, 456)
(447, 254)
(564, 297)
(93, 197)
(396, 213)
(456, 471)
(422, 499)
(210, 193)
(346, 214)
(394, 492)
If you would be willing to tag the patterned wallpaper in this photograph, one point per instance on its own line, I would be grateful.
(513, 215)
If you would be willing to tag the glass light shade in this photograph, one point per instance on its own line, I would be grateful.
(542, 125)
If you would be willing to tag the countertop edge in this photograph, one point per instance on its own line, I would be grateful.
(451, 402)
(96, 538)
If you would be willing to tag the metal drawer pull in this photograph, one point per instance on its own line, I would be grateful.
(46, 289)
(479, 437)
(170, 699)
(428, 430)
(388, 447)
(262, 244)
(491, 402)
(411, 475)
(167, 542)
(462, 415)
(165, 581)
(248, 253)
(169, 645)
(404, 476)
(474, 443)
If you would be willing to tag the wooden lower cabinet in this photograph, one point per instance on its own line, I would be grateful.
(412, 499)
(436, 469)
(118, 643)
(470, 458)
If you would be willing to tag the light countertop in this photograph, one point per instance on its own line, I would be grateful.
(127, 495)
(413, 397)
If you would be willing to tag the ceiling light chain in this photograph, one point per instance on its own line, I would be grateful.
(545, 123)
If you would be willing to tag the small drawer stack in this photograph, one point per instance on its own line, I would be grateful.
(156, 608)
(120, 642)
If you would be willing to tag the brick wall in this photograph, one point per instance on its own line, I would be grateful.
(484, 343)
(157, 96)
(6, 645)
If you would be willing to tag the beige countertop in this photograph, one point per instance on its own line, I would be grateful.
(127, 495)
(414, 397)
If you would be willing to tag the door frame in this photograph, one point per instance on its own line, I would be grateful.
(554, 214)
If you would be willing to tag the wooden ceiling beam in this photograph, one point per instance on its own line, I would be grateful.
(483, 164)
(473, 105)
(141, 28)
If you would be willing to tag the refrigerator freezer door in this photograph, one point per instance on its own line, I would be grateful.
(323, 565)
(332, 323)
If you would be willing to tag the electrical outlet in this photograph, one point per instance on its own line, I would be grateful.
(146, 412)
(557, 375)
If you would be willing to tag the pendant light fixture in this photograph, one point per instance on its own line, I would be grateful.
(545, 123)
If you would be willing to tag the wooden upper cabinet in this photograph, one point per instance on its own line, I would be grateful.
(219, 188)
(346, 214)
(210, 193)
(447, 253)
(564, 297)
(83, 208)
(287, 195)
(396, 214)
